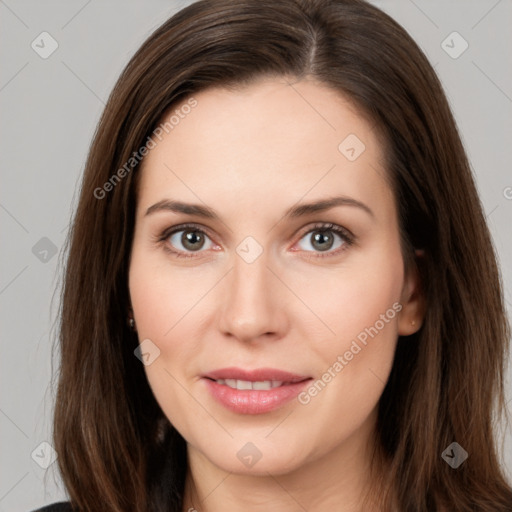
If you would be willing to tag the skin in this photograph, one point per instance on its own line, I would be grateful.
(250, 155)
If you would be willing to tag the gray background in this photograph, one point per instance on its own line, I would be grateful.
(49, 110)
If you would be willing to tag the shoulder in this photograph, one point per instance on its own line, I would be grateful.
(61, 506)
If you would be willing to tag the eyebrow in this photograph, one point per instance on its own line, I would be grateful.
(293, 212)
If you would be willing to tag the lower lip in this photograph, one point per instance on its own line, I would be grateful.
(251, 401)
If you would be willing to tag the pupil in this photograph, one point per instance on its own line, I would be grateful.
(324, 240)
(191, 239)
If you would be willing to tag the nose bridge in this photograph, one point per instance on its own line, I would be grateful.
(250, 306)
(250, 277)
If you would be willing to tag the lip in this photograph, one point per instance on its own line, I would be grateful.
(245, 401)
(255, 375)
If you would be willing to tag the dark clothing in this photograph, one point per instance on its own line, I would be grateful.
(61, 506)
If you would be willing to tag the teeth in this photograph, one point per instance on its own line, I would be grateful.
(243, 384)
(262, 385)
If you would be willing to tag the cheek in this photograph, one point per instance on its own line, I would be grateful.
(361, 307)
(160, 302)
(356, 297)
(162, 294)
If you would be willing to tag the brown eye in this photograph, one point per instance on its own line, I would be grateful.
(322, 240)
(327, 238)
(188, 240)
(192, 240)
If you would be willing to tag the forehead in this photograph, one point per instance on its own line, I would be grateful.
(274, 139)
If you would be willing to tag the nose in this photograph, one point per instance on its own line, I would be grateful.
(253, 302)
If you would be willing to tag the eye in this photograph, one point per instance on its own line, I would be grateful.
(186, 239)
(326, 238)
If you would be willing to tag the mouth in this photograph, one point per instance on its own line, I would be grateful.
(254, 391)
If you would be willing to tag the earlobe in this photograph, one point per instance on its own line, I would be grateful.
(131, 321)
(413, 302)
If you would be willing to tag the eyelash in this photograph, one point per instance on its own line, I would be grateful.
(347, 237)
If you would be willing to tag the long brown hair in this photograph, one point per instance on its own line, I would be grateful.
(116, 451)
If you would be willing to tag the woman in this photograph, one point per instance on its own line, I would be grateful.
(270, 299)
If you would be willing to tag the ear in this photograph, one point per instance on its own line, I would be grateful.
(412, 300)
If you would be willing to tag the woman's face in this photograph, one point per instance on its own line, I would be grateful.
(268, 334)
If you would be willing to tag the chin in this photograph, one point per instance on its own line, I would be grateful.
(258, 457)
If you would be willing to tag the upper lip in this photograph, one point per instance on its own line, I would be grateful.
(256, 375)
